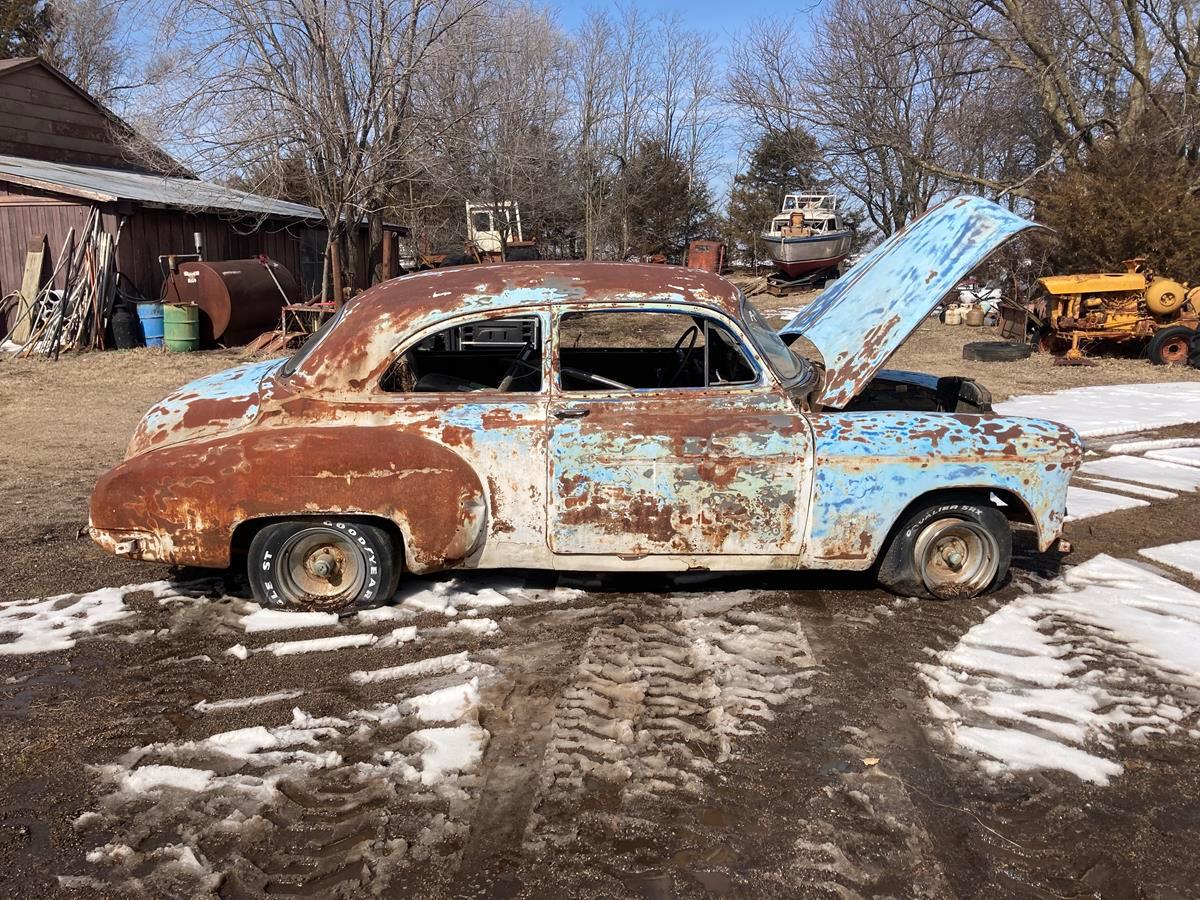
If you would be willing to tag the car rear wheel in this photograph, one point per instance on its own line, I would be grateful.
(948, 550)
(324, 565)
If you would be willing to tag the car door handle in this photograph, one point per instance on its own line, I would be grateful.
(573, 412)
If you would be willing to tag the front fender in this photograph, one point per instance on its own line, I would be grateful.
(181, 503)
(870, 466)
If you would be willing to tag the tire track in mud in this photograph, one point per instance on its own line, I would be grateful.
(919, 822)
(607, 723)
(878, 827)
(655, 706)
(324, 806)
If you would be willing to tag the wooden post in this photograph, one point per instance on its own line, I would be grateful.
(389, 255)
(335, 263)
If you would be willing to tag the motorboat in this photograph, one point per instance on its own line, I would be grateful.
(808, 236)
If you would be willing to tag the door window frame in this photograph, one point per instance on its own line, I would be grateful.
(545, 321)
(764, 374)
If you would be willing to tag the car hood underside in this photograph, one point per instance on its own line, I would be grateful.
(867, 314)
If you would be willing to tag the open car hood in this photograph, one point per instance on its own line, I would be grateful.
(869, 312)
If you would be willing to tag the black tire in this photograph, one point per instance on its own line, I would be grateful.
(996, 351)
(326, 565)
(1194, 355)
(913, 565)
(1169, 346)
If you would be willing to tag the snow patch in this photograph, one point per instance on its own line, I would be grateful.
(482, 626)
(156, 777)
(448, 704)
(283, 620)
(1152, 444)
(1052, 680)
(1128, 488)
(421, 668)
(56, 623)
(318, 645)
(1083, 503)
(206, 706)
(1148, 471)
(1112, 409)
(446, 751)
(1184, 556)
(1188, 456)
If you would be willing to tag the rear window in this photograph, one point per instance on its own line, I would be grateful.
(310, 345)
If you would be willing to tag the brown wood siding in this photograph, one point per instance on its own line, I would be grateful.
(25, 214)
(150, 233)
(146, 234)
(44, 119)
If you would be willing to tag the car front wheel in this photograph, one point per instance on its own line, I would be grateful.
(325, 565)
(948, 550)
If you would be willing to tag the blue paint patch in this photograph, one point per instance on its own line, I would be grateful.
(870, 466)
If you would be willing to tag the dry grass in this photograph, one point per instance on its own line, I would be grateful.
(937, 349)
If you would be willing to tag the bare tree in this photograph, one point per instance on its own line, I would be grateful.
(503, 88)
(593, 83)
(90, 41)
(325, 82)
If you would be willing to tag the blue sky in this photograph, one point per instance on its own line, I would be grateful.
(718, 16)
(724, 19)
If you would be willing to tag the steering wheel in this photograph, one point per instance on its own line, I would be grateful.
(593, 379)
(683, 352)
(520, 362)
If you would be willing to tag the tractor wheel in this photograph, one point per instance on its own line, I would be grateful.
(1194, 356)
(1170, 345)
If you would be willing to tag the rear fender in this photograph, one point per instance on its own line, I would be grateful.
(188, 498)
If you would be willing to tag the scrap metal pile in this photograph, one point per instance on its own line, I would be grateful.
(76, 316)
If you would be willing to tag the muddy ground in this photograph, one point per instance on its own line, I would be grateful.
(838, 792)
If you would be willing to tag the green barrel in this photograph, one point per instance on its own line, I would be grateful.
(181, 327)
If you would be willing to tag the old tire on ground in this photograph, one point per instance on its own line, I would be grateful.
(947, 550)
(996, 351)
(1169, 346)
(1194, 355)
(324, 565)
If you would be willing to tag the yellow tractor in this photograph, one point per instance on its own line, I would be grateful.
(1134, 305)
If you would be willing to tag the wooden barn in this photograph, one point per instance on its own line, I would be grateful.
(63, 155)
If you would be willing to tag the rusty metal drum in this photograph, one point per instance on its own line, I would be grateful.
(239, 299)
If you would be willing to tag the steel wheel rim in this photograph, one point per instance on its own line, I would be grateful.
(320, 568)
(956, 557)
(1175, 351)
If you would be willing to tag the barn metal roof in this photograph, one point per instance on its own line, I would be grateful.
(109, 185)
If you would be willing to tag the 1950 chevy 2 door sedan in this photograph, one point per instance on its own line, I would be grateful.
(599, 416)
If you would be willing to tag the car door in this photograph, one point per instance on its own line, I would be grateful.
(460, 384)
(708, 463)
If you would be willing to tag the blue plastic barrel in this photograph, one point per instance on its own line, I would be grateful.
(150, 316)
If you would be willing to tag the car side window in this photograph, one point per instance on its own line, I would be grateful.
(486, 355)
(644, 349)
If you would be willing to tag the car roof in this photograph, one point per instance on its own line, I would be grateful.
(502, 285)
(376, 320)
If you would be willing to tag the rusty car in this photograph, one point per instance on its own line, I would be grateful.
(599, 416)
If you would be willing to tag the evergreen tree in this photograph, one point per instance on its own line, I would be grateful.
(667, 208)
(781, 162)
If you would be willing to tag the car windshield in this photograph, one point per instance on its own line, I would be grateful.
(310, 345)
(787, 365)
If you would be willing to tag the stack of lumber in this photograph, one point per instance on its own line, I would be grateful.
(75, 317)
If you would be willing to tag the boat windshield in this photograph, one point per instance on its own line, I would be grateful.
(787, 365)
